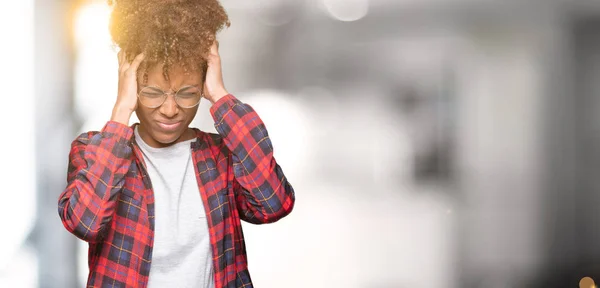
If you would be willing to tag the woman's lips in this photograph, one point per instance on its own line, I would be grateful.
(169, 126)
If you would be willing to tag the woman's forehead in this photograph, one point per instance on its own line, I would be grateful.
(178, 76)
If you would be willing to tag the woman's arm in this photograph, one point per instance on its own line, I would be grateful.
(98, 164)
(263, 193)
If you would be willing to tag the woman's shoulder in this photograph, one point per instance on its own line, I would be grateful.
(211, 141)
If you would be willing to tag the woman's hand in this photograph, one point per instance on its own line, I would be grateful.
(127, 96)
(214, 89)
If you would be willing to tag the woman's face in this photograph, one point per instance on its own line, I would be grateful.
(167, 124)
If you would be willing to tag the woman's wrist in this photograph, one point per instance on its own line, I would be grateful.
(121, 115)
(217, 95)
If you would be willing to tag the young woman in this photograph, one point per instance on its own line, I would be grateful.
(159, 202)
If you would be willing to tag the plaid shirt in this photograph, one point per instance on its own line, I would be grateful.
(109, 201)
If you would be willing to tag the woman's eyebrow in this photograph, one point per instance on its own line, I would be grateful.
(187, 86)
(153, 87)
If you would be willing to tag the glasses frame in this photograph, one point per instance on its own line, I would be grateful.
(173, 93)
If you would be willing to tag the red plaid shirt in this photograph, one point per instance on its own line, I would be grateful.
(109, 201)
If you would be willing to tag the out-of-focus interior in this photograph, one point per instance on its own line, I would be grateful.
(437, 143)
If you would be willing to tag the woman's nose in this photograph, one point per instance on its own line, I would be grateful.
(170, 107)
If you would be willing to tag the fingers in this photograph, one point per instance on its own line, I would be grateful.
(214, 48)
(120, 57)
(136, 62)
(125, 66)
(213, 55)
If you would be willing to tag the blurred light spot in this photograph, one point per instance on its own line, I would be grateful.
(96, 65)
(347, 10)
(587, 282)
(91, 24)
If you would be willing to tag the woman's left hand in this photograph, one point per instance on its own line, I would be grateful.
(214, 89)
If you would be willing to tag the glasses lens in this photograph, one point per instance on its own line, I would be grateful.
(188, 96)
(152, 97)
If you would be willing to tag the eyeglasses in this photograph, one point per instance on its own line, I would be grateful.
(186, 97)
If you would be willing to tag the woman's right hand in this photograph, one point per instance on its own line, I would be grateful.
(127, 96)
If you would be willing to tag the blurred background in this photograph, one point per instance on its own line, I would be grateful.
(431, 143)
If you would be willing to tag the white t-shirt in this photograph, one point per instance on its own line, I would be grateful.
(181, 255)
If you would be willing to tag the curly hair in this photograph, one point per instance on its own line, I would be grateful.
(168, 32)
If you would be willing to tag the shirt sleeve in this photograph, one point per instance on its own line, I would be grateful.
(262, 192)
(98, 164)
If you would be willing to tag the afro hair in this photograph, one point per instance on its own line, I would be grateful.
(168, 32)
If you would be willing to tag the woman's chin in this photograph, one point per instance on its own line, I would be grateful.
(167, 139)
(162, 139)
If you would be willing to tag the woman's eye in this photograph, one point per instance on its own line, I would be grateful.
(188, 94)
(153, 94)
